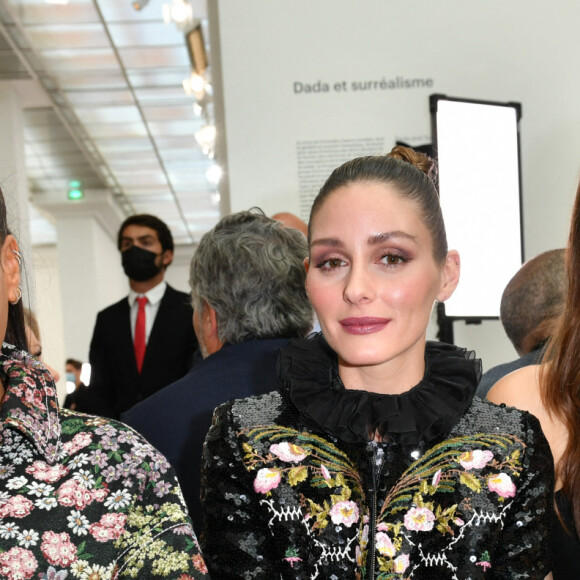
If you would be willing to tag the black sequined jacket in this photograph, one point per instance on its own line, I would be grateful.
(294, 487)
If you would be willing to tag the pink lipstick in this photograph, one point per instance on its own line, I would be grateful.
(364, 325)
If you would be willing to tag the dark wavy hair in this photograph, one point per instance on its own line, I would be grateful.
(15, 329)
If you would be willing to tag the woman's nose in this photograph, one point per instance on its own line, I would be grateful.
(359, 285)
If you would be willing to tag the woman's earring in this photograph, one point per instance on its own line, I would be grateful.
(18, 257)
(18, 296)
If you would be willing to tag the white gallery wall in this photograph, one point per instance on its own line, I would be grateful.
(307, 85)
(302, 86)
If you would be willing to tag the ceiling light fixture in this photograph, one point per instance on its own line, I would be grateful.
(180, 13)
(139, 4)
(206, 138)
(213, 174)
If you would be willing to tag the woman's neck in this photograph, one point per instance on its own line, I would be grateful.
(391, 378)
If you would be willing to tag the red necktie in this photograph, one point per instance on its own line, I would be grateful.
(140, 332)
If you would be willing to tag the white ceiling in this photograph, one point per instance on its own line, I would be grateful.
(101, 84)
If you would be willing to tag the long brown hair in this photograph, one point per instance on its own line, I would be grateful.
(560, 377)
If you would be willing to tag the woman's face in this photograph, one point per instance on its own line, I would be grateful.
(372, 278)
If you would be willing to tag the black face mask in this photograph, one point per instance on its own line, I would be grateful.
(139, 264)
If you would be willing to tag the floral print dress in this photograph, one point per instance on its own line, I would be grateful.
(83, 497)
(295, 484)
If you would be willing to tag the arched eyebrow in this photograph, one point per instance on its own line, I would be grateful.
(373, 240)
(387, 236)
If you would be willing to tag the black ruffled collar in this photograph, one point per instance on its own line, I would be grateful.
(308, 370)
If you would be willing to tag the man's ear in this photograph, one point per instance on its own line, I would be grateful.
(10, 260)
(209, 322)
(306, 264)
(450, 276)
(167, 257)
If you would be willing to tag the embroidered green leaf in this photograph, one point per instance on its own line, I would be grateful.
(247, 448)
(70, 426)
(515, 456)
(297, 474)
(424, 487)
(470, 481)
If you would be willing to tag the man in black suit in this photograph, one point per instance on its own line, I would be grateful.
(247, 284)
(145, 341)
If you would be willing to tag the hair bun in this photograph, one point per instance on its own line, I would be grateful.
(419, 160)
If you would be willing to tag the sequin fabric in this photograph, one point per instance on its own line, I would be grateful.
(282, 500)
(83, 497)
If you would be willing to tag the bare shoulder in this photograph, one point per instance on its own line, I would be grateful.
(519, 389)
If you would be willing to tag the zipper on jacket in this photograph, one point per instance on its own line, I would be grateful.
(377, 467)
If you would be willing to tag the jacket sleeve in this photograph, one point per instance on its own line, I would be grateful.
(101, 385)
(523, 550)
(236, 540)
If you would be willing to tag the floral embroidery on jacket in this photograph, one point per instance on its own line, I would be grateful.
(83, 497)
(280, 455)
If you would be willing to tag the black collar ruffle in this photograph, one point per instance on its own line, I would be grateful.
(308, 371)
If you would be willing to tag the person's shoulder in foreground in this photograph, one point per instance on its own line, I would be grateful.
(520, 389)
(83, 496)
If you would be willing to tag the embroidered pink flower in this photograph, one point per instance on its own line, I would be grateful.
(199, 564)
(17, 564)
(100, 494)
(419, 519)
(44, 472)
(58, 549)
(344, 512)
(476, 459)
(325, 472)
(267, 479)
(292, 557)
(74, 494)
(110, 527)
(401, 563)
(16, 507)
(364, 537)
(78, 442)
(436, 478)
(384, 545)
(288, 452)
(502, 484)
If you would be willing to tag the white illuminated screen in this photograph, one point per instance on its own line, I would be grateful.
(477, 149)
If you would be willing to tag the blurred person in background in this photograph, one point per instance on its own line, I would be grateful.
(531, 304)
(145, 341)
(247, 287)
